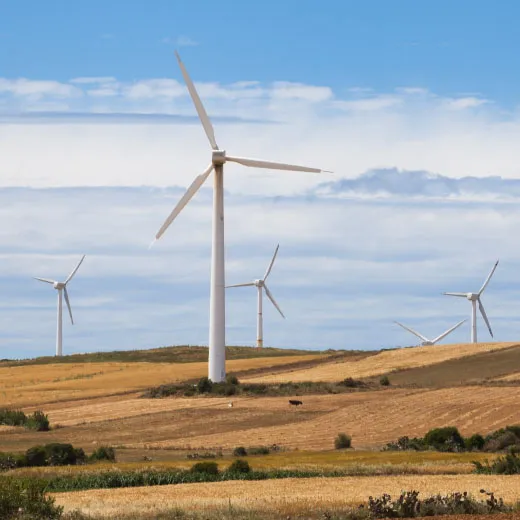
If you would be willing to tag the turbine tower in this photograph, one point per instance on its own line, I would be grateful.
(427, 342)
(61, 287)
(217, 320)
(261, 286)
(474, 298)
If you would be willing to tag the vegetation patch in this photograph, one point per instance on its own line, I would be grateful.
(507, 465)
(232, 386)
(448, 439)
(37, 421)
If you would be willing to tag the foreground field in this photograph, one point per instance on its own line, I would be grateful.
(382, 363)
(286, 496)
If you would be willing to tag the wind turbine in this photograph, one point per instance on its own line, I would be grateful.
(217, 319)
(474, 298)
(61, 287)
(261, 286)
(426, 342)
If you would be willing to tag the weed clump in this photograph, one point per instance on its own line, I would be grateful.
(239, 466)
(38, 421)
(342, 441)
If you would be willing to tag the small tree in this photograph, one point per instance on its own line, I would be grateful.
(204, 386)
(210, 468)
(384, 381)
(239, 451)
(239, 466)
(38, 421)
(342, 441)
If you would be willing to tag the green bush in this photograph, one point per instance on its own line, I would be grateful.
(445, 439)
(239, 466)
(405, 443)
(342, 441)
(103, 453)
(384, 381)
(26, 500)
(38, 421)
(204, 385)
(36, 456)
(210, 468)
(232, 380)
(239, 451)
(12, 417)
(475, 442)
(508, 465)
(59, 454)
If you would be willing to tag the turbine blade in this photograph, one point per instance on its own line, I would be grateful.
(74, 270)
(271, 297)
(203, 116)
(412, 331)
(483, 312)
(459, 294)
(46, 280)
(487, 279)
(66, 294)
(240, 285)
(272, 165)
(195, 186)
(271, 264)
(444, 334)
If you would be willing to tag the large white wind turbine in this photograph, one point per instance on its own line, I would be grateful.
(474, 298)
(425, 340)
(61, 287)
(217, 348)
(261, 286)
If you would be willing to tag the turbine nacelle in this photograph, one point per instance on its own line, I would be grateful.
(472, 297)
(59, 285)
(259, 283)
(218, 157)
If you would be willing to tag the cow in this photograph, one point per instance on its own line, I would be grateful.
(295, 402)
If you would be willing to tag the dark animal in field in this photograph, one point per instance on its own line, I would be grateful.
(295, 402)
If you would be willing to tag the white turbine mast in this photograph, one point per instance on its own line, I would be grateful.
(261, 286)
(474, 298)
(427, 342)
(61, 287)
(217, 321)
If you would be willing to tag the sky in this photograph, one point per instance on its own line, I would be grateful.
(412, 105)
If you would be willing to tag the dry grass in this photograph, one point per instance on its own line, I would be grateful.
(288, 495)
(34, 385)
(510, 377)
(381, 363)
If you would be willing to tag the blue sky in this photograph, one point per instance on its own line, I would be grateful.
(413, 105)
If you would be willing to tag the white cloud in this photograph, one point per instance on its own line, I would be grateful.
(38, 89)
(466, 102)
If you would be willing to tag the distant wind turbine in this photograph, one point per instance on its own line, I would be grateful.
(425, 340)
(217, 320)
(261, 286)
(62, 287)
(474, 298)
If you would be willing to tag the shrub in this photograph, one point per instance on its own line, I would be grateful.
(239, 451)
(445, 439)
(12, 417)
(239, 466)
(475, 442)
(349, 382)
(405, 444)
(26, 497)
(232, 380)
(342, 441)
(210, 468)
(38, 421)
(36, 456)
(103, 453)
(384, 381)
(59, 454)
(508, 465)
(501, 439)
(204, 386)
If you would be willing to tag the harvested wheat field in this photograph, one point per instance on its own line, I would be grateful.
(382, 363)
(34, 385)
(372, 418)
(285, 495)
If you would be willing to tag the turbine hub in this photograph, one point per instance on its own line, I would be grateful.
(472, 297)
(58, 285)
(218, 158)
(259, 283)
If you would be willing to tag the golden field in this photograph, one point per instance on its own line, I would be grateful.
(382, 363)
(284, 495)
(35, 385)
